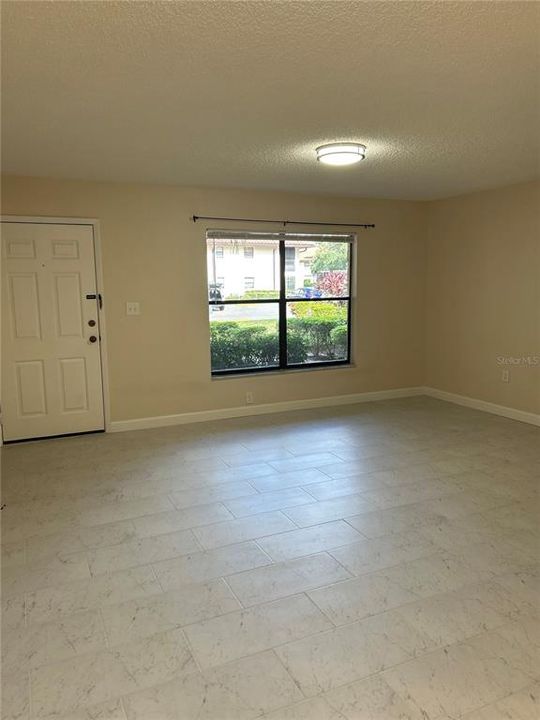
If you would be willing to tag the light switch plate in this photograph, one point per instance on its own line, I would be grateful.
(133, 308)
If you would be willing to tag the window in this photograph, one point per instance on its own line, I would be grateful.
(248, 253)
(293, 311)
(218, 253)
(290, 256)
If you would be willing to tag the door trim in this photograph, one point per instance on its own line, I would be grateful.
(94, 223)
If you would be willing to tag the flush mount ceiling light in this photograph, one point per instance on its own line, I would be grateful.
(341, 153)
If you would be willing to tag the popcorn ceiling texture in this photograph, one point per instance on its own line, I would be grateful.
(235, 94)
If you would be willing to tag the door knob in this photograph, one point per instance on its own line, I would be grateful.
(92, 338)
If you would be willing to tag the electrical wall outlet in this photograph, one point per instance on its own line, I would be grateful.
(505, 376)
(249, 398)
(133, 308)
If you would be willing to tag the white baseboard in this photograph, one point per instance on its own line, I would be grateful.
(266, 409)
(333, 400)
(512, 413)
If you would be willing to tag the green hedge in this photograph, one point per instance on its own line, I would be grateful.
(323, 327)
(255, 295)
(235, 345)
(317, 330)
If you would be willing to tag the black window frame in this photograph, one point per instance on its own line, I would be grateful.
(282, 302)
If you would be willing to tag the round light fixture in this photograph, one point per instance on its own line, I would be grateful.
(341, 153)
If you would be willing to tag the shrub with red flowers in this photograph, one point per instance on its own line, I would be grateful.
(332, 283)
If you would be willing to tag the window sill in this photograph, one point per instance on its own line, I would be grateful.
(288, 371)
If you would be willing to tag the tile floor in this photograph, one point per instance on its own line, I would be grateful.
(373, 562)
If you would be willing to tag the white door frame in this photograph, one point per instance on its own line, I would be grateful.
(40, 220)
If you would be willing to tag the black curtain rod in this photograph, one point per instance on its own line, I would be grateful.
(283, 222)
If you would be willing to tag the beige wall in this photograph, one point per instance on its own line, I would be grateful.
(483, 294)
(159, 362)
(444, 289)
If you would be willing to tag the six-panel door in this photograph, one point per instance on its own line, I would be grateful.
(51, 366)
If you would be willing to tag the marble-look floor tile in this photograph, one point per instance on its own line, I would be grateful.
(286, 578)
(518, 642)
(359, 452)
(15, 696)
(343, 469)
(455, 680)
(515, 516)
(57, 571)
(496, 558)
(250, 457)
(293, 478)
(110, 710)
(451, 535)
(355, 599)
(461, 504)
(265, 502)
(96, 677)
(210, 564)
(145, 616)
(142, 552)
(315, 709)
(518, 591)
(37, 645)
(369, 555)
(242, 529)
(55, 602)
(312, 460)
(325, 661)
(124, 510)
(372, 699)
(522, 705)
(432, 506)
(306, 541)
(202, 496)
(262, 627)
(13, 554)
(13, 614)
(378, 523)
(40, 549)
(21, 524)
(172, 521)
(240, 690)
(412, 473)
(408, 494)
(353, 485)
(327, 510)
(433, 574)
(242, 472)
(452, 617)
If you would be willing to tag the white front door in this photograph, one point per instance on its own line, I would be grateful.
(51, 362)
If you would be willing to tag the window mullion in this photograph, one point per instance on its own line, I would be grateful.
(282, 308)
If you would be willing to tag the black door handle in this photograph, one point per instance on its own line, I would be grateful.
(98, 297)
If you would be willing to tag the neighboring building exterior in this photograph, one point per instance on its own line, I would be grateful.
(239, 266)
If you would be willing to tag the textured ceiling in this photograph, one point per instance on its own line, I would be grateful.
(444, 94)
